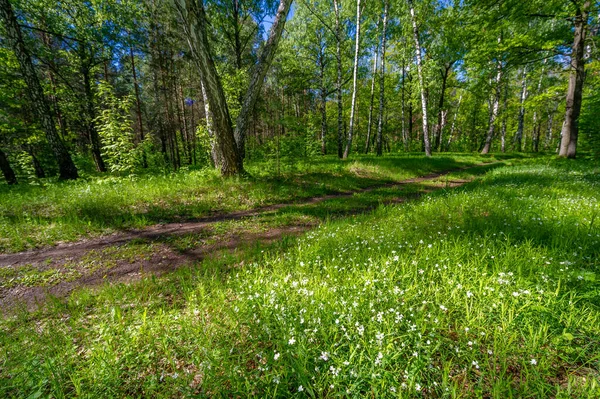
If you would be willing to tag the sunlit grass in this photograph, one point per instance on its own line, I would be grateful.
(490, 290)
(34, 216)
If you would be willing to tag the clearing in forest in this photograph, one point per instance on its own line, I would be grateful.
(490, 289)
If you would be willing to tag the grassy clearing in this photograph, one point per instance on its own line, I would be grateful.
(35, 216)
(490, 290)
(181, 249)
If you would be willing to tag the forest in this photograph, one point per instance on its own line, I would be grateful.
(310, 198)
(126, 86)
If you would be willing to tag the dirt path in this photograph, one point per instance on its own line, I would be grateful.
(74, 257)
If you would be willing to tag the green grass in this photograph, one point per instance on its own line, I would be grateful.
(489, 290)
(37, 216)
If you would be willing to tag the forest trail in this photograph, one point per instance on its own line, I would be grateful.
(83, 262)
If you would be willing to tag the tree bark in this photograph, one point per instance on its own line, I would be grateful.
(426, 141)
(323, 105)
(453, 127)
(570, 129)
(214, 153)
(372, 100)
(67, 169)
(494, 114)
(193, 15)
(338, 83)
(354, 81)
(440, 127)
(7, 170)
(405, 136)
(257, 77)
(379, 141)
(519, 135)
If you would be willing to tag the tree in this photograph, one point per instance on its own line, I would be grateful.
(229, 146)
(496, 105)
(426, 140)
(570, 129)
(7, 170)
(379, 139)
(354, 81)
(67, 169)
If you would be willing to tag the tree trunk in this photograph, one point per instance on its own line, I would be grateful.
(439, 128)
(138, 106)
(426, 141)
(67, 169)
(323, 104)
(193, 15)
(354, 81)
(370, 121)
(257, 77)
(551, 113)
(570, 129)
(495, 106)
(7, 170)
(504, 117)
(453, 127)
(537, 125)
(90, 123)
(405, 136)
(519, 135)
(338, 82)
(378, 142)
(214, 153)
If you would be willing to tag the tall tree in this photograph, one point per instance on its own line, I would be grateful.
(422, 89)
(67, 169)
(518, 140)
(354, 81)
(372, 97)
(229, 146)
(338, 82)
(379, 139)
(495, 106)
(570, 129)
(259, 71)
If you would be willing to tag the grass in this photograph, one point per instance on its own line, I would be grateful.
(38, 216)
(489, 290)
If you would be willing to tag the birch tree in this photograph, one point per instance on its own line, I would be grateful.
(229, 145)
(379, 139)
(354, 81)
(426, 140)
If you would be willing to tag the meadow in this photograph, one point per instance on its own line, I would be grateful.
(487, 290)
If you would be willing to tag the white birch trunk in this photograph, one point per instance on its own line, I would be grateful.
(421, 82)
(354, 80)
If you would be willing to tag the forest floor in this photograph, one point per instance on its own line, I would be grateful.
(28, 278)
(486, 283)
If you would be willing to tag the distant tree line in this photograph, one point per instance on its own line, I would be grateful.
(125, 86)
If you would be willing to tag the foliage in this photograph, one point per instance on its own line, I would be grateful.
(589, 122)
(115, 129)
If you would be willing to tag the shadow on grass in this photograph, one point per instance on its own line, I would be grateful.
(70, 219)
